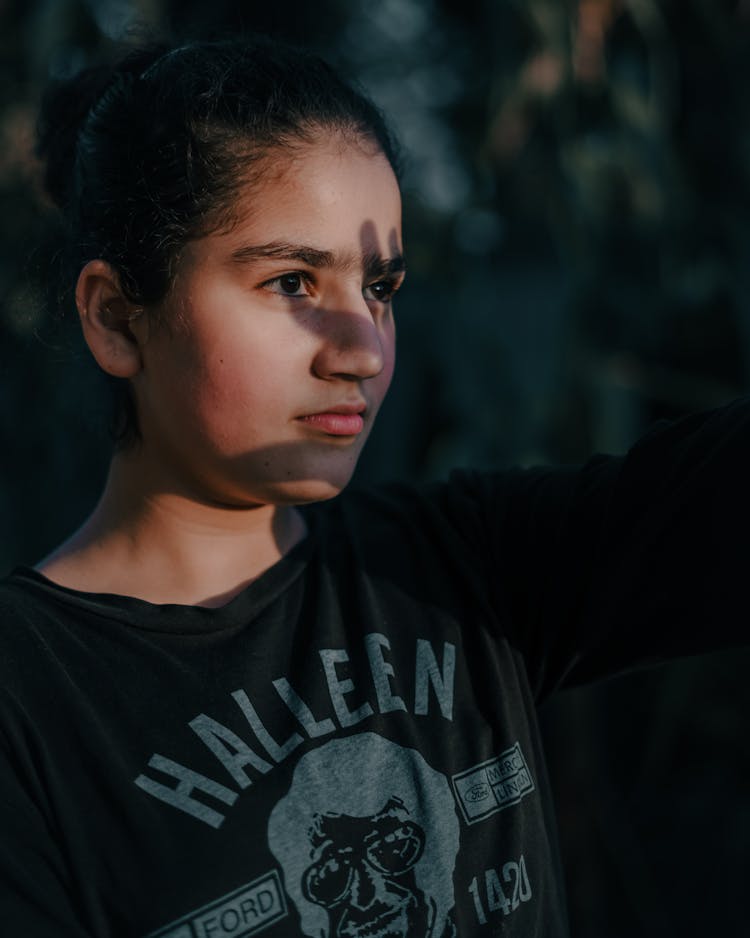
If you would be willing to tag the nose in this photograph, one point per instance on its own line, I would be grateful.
(353, 342)
(364, 886)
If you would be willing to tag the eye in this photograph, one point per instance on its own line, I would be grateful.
(382, 291)
(293, 284)
(396, 851)
(327, 882)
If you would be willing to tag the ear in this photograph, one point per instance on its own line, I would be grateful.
(110, 320)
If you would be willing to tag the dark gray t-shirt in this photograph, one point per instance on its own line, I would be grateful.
(350, 746)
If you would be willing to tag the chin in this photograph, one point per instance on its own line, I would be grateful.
(305, 492)
(278, 480)
(313, 481)
(296, 491)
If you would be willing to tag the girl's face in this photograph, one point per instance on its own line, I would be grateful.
(279, 345)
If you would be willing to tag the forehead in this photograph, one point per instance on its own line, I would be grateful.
(335, 196)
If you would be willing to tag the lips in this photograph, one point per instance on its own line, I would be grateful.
(338, 420)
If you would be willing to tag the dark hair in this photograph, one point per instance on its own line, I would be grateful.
(145, 155)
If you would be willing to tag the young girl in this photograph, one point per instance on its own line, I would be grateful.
(233, 703)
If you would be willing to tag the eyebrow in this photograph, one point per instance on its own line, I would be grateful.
(371, 263)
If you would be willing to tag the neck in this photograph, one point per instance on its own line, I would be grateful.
(166, 546)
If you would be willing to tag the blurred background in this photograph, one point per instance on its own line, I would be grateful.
(578, 237)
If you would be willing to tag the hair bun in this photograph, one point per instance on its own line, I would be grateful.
(63, 111)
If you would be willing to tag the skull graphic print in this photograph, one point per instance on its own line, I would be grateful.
(367, 838)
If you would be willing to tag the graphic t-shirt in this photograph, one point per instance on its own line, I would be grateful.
(350, 746)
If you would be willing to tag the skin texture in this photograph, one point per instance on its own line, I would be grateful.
(247, 345)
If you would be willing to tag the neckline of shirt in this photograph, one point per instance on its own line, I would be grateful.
(176, 617)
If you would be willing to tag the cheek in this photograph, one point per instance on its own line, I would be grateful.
(233, 383)
(389, 363)
(231, 393)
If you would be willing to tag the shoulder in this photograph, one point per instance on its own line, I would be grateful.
(24, 615)
(20, 596)
(462, 505)
(417, 527)
(21, 604)
(30, 619)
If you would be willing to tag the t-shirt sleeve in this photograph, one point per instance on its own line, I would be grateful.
(625, 561)
(34, 899)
